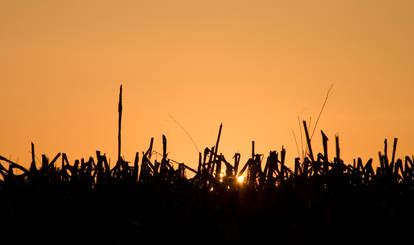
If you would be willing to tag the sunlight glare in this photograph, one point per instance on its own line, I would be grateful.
(221, 176)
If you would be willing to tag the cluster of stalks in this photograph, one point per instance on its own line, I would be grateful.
(230, 201)
(151, 201)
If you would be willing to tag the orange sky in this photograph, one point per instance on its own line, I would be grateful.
(253, 65)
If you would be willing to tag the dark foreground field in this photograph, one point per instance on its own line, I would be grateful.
(151, 202)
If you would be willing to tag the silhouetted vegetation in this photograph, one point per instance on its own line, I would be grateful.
(155, 201)
(321, 199)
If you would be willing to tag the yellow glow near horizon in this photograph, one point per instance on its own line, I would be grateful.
(221, 176)
(240, 179)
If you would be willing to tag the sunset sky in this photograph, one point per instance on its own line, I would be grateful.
(255, 66)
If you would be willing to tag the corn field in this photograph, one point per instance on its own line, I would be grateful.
(225, 201)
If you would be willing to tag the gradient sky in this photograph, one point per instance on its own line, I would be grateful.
(255, 66)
